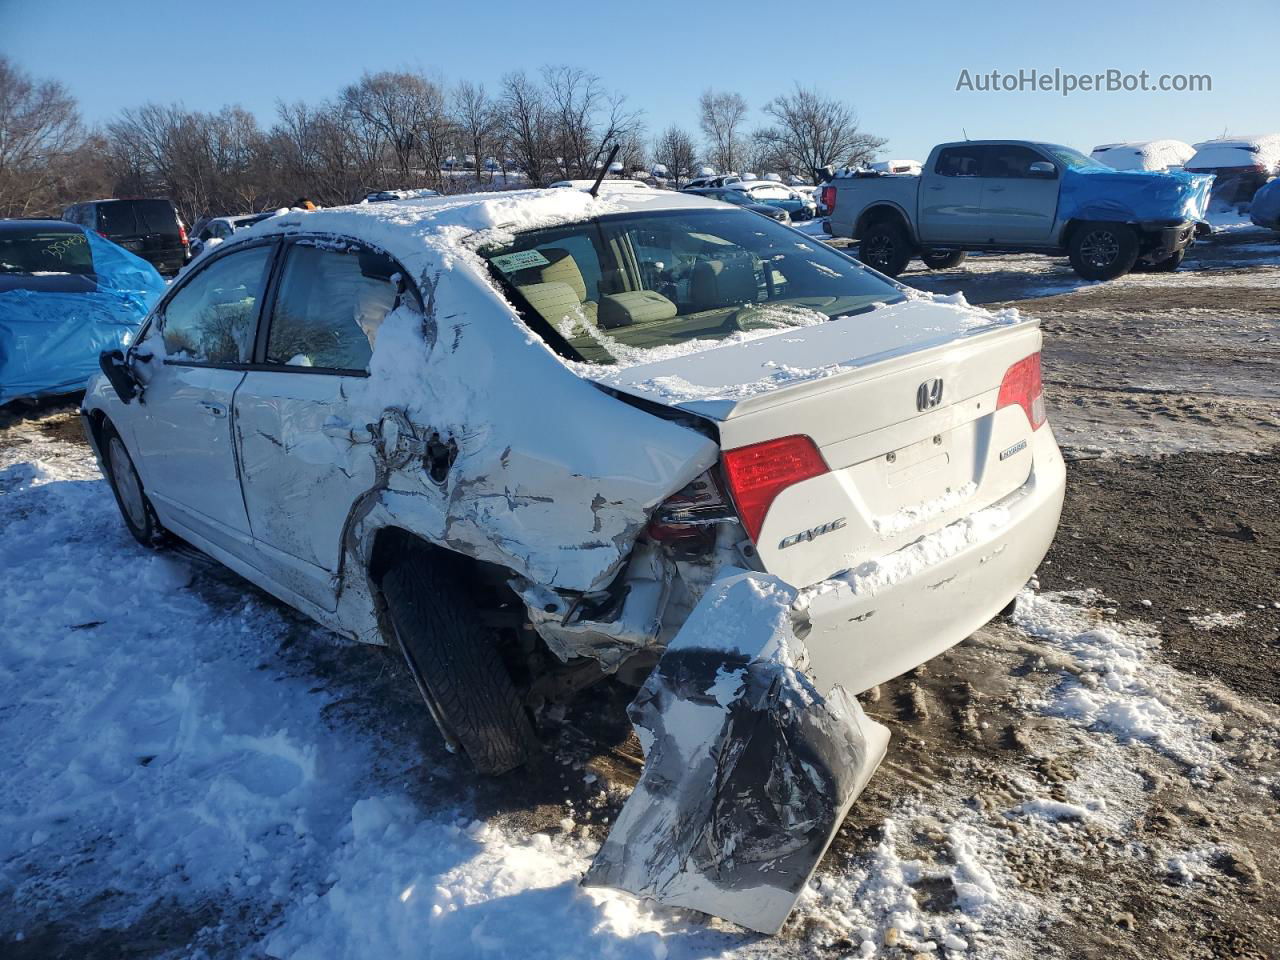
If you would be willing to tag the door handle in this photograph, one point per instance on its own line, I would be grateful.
(214, 409)
(935, 187)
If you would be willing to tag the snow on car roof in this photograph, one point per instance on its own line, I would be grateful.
(1262, 150)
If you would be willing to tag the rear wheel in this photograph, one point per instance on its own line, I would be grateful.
(456, 663)
(1103, 251)
(942, 259)
(136, 510)
(886, 247)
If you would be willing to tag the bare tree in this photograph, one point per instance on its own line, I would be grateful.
(405, 113)
(526, 125)
(722, 116)
(476, 119)
(674, 149)
(585, 119)
(39, 133)
(811, 130)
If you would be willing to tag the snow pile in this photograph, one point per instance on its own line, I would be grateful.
(1116, 685)
(1216, 620)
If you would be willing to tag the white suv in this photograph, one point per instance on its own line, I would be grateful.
(520, 436)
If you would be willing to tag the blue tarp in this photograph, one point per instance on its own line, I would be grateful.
(1132, 196)
(50, 341)
(1265, 209)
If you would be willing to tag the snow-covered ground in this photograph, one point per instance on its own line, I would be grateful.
(174, 750)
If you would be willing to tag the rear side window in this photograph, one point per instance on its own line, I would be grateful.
(117, 219)
(960, 162)
(330, 306)
(213, 317)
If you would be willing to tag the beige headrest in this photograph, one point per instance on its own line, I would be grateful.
(563, 269)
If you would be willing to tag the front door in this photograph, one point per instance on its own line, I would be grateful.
(184, 429)
(1018, 206)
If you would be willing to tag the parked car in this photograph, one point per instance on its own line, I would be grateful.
(149, 228)
(66, 295)
(221, 228)
(800, 206)
(1161, 155)
(530, 439)
(615, 183)
(705, 181)
(1264, 210)
(1240, 165)
(384, 196)
(740, 198)
(1020, 195)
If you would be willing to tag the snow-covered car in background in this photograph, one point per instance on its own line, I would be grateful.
(66, 294)
(1160, 155)
(221, 228)
(800, 206)
(532, 439)
(1240, 166)
(605, 185)
(386, 196)
(742, 199)
(1265, 208)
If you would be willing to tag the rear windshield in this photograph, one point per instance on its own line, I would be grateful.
(44, 251)
(122, 217)
(630, 288)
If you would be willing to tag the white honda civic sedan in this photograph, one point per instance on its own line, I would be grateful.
(525, 438)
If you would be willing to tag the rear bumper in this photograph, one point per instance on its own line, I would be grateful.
(886, 617)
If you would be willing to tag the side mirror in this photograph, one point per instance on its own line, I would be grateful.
(1043, 169)
(116, 368)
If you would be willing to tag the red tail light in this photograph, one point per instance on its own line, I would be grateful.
(1022, 385)
(829, 198)
(756, 474)
(182, 235)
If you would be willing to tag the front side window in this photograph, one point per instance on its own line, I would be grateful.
(1073, 159)
(38, 251)
(960, 162)
(1010, 161)
(634, 287)
(330, 306)
(213, 317)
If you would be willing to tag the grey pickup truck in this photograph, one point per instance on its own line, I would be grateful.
(1019, 196)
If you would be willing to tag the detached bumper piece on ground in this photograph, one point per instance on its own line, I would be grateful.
(749, 772)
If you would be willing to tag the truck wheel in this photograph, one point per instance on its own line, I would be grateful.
(886, 247)
(455, 662)
(1103, 251)
(136, 510)
(1167, 265)
(942, 259)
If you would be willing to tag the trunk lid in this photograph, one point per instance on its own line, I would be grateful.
(900, 402)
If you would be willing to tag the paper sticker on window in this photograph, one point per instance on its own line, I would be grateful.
(522, 260)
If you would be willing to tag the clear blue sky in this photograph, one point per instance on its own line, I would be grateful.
(897, 63)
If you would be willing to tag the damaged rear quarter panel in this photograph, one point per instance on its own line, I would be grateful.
(553, 478)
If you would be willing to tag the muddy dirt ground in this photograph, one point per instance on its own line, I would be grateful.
(1165, 393)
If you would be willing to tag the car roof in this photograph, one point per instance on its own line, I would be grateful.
(57, 226)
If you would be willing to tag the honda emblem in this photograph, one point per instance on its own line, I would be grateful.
(929, 394)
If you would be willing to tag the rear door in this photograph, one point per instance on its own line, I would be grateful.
(301, 470)
(183, 437)
(950, 198)
(1017, 206)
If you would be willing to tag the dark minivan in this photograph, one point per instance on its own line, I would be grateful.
(149, 228)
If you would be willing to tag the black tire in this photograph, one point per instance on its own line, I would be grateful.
(886, 247)
(456, 664)
(131, 497)
(1167, 265)
(1103, 251)
(942, 259)
(1008, 610)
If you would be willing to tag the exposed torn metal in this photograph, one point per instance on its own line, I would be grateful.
(749, 771)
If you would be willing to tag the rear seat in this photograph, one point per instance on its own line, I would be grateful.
(556, 290)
